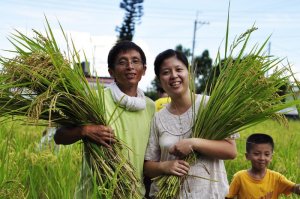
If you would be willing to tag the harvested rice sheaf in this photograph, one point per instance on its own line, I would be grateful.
(41, 86)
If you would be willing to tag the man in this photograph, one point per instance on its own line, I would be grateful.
(127, 65)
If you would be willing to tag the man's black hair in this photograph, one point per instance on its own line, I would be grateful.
(120, 47)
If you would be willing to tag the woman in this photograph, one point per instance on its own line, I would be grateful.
(170, 138)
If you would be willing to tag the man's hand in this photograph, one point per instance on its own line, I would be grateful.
(99, 134)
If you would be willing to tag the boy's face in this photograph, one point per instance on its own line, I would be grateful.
(260, 156)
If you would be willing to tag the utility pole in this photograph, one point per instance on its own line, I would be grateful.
(196, 22)
(269, 48)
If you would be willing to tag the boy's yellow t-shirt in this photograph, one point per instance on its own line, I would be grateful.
(162, 102)
(245, 187)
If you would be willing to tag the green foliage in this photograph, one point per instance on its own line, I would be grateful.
(134, 12)
(152, 94)
(286, 159)
(185, 51)
(295, 88)
(155, 88)
(42, 86)
(203, 71)
(241, 97)
(28, 171)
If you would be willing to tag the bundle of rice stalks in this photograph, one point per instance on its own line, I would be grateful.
(241, 96)
(40, 86)
(295, 88)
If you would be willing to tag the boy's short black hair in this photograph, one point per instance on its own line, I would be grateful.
(123, 46)
(258, 138)
(167, 54)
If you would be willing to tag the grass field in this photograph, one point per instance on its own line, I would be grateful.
(29, 171)
(286, 158)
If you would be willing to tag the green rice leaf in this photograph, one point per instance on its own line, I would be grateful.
(40, 86)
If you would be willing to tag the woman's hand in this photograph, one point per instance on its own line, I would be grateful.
(175, 167)
(182, 148)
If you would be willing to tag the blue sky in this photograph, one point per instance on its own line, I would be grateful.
(165, 24)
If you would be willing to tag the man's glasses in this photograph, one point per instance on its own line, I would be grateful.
(125, 63)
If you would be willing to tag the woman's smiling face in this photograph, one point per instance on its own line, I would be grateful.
(174, 76)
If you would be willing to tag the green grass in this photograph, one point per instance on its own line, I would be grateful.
(28, 172)
(48, 86)
(286, 159)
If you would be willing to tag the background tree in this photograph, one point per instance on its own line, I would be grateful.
(152, 92)
(185, 51)
(133, 13)
(203, 71)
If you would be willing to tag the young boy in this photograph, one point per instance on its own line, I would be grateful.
(259, 182)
